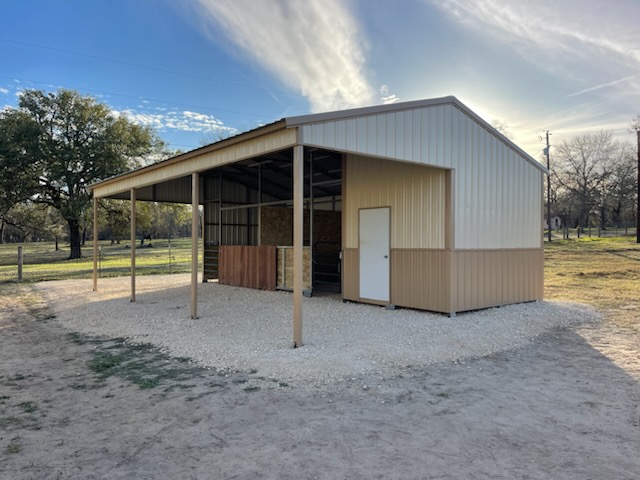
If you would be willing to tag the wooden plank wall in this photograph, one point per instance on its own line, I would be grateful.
(248, 266)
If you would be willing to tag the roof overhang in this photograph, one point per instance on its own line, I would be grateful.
(273, 137)
(276, 136)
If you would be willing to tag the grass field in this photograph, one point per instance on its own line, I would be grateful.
(43, 262)
(603, 272)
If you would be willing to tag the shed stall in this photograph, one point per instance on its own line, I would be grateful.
(418, 204)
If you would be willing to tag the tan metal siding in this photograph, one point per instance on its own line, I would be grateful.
(416, 195)
(421, 279)
(271, 142)
(488, 278)
(350, 274)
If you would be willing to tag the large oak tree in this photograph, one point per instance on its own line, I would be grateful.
(55, 144)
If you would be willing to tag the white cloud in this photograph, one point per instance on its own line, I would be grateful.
(313, 46)
(603, 85)
(386, 96)
(184, 121)
(4, 91)
(592, 43)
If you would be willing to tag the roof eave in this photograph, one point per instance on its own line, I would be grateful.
(266, 129)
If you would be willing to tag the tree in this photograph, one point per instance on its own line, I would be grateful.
(63, 142)
(18, 177)
(583, 169)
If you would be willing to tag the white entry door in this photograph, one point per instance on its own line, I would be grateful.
(374, 254)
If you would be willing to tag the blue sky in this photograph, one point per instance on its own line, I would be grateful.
(191, 68)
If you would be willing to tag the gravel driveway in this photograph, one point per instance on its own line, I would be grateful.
(244, 329)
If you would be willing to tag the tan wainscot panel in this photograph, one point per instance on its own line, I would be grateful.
(421, 279)
(350, 274)
(486, 278)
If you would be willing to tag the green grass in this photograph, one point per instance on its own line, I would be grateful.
(43, 262)
(141, 364)
(603, 272)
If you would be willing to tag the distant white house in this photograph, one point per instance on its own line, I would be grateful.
(556, 223)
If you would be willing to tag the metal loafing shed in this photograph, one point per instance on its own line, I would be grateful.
(424, 204)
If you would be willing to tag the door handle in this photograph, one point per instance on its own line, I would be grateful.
(386, 256)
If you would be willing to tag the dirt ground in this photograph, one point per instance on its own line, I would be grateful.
(72, 407)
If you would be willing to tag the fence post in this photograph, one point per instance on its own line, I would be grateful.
(20, 261)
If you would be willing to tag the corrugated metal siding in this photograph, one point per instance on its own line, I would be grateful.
(498, 193)
(350, 274)
(421, 279)
(487, 278)
(416, 195)
(417, 135)
(251, 148)
(239, 226)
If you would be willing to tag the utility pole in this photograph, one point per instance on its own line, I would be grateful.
(549, 187)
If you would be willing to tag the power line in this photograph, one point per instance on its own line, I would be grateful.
(158, 69)
(147, 67)
(138, 98)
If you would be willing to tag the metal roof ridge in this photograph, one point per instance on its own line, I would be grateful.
(370, 110)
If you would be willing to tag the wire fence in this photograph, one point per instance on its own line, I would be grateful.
(590, 232)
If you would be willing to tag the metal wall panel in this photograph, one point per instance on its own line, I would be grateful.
(487, 278)
(421, 279)
(350, 274)
(415, 193)
(238, 226)
(498, 193)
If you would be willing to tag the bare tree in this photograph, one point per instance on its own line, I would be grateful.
(584, 169)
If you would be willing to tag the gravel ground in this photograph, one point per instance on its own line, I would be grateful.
(244, 329)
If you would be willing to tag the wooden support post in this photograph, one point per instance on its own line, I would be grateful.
(20, 263)
(133, 245)
(298, 218)
(95, 244)
(195, 200)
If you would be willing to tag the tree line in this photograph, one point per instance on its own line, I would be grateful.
(52, 147)
(594, 181)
